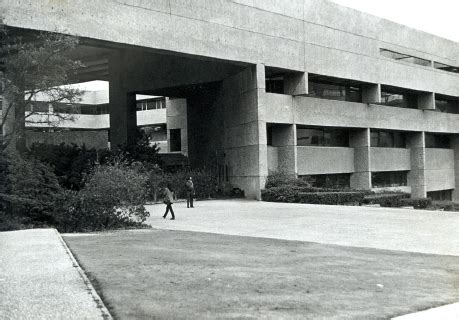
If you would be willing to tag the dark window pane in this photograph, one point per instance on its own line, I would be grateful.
(330, 180)
(389, 179)
(322, 137)
(437, 141)
(175, 140)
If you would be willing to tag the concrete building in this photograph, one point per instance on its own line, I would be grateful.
(305, 87)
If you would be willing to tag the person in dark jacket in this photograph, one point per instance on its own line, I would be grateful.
(168, 200)
(189, 192)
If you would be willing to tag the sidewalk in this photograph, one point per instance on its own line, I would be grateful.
(39, 279)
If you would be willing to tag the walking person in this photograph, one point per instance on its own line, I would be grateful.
(168, 200)
(189, 192)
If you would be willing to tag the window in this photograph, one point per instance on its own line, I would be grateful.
(445, 67)
(447, 105)
(398, 98)
(335, 91)
(269, 134)
(275, 84)
(442, 195)
(175, 140)
(341, 180)
(389, 179)
(387, 139)
(404, 57)
(324, 137)
(437, 141)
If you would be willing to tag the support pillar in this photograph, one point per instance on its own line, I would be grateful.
(416, 177)
(455, 146)
(426, 101)
(371, 93)
(245, 143)
(284, 139)
(176, 115)
(296, 83)
(360, 141)
(123, 114)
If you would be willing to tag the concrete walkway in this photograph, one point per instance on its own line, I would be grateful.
(432, 232)
(39, 279)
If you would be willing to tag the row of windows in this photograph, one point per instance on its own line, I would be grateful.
(342, 180)
(151, 104)
(331, 137)
(416, 60)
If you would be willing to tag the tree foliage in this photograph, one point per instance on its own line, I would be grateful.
(37, 68)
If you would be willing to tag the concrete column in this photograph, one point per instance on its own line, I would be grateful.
(296, 83)
(426, 101)
(284, 138)
(416, 177)
(360, 141)
(245, 143)
(176, 118)
(455, 146)
(371, 93)
(123, 115)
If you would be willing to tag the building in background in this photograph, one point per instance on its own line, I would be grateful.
(303, 87)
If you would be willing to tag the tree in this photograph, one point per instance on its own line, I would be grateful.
(38, 69)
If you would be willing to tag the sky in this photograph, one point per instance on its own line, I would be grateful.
(438, 17)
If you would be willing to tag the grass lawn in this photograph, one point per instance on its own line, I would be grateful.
(161, 274)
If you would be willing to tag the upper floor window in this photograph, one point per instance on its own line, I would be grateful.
(446, 105)
(437, 141)
(404, 57)
(445, 67)
(398, 98)
(323, 137)
(335, 91)
(387, 139)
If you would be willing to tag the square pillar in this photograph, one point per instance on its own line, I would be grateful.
(176, 118)
(284, 139)
(296, 83)
(455, 146)
(360, 141)
(371, 93)
(245, 143)
(122, 104)
(416, 177)
(426, 101)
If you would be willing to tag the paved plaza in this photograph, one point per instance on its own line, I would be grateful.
(433, 232)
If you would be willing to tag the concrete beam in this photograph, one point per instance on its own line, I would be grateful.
(360, 141)
(371, 93)
(426, 101)
(296, 83)
(455, 146)
(123, 115)
(416, 177)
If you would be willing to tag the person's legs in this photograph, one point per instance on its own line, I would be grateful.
(172, 211)
(191, 199)
(188, 199)
(168, 206)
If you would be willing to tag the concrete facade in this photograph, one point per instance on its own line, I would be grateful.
(218, 56)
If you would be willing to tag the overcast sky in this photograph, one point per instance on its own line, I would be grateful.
(439, 17)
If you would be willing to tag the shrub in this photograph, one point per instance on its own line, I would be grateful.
(113, 197)
(280, 179)
(332, 198)
(417, 203)
(29, 191)
(386, 199)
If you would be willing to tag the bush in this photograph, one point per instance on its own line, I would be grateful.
(417, 203)
(297, 195)
(113, 197)
(29, 191)
(386, 199)
(204, 180)
(280, 179)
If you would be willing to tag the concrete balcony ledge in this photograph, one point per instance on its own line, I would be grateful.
(324, 112)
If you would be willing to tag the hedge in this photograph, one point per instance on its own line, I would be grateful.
(297, 195)
(417, 203)
(386, 200)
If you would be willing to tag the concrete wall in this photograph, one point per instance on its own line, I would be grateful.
(273, 159)
(150, 117)
(390, 159)
(322, 112)
(176, 110)
(303, 35)
(279, 108)
(97, 139)
(325, 160)
(455, 147)
(439, 169)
